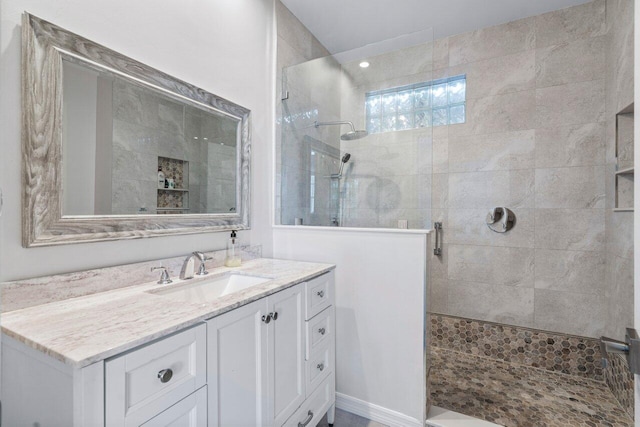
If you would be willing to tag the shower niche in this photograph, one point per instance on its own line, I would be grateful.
(174, 198)
(625, 168)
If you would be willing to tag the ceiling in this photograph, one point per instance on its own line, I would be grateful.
(342, 25)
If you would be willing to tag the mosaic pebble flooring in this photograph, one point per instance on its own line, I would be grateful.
(520, 396)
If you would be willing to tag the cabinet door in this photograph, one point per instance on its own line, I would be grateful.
(237, 367)
(189, 412)
(286, 353)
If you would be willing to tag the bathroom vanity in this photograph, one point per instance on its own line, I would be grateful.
(259, 352)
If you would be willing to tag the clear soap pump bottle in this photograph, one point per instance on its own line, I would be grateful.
(233, 251)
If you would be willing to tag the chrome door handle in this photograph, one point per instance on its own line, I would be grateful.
(320, 294)
(165, 375)
(320, 366)
(307, 421)
(321, 331)
(437, 250)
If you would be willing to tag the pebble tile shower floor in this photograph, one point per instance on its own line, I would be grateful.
(520, 396)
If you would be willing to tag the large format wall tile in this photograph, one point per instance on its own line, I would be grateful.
(582, 60)
(573, 103)
(468, 227)
(440, 149)
(496, 151)
(570, 271)
(621, 296)
(513, 189)
(499, 75)
(501, 113)
(576, 187)
(571, 229)
(622, 228)
(499, 266)
(491, 42)
(573, 23)
(291, 30)
(576, 145)
(494, 303)
(572, 313)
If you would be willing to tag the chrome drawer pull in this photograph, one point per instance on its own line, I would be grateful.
(165, 375)
(321, 294)
(322, 331)
(320, 366)
(307, 421)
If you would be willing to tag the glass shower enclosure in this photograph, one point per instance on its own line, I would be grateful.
(355, 136)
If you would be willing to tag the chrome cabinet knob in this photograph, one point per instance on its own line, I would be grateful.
(320, 366)
(321, 294)
(322, 331)
(266, 318)
(274, 315)
(165, 375)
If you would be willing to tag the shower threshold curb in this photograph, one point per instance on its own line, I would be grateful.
(440, 417)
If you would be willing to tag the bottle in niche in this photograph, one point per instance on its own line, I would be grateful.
(233, 251)
(160, 177)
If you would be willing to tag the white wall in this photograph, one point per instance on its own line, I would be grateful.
(225, 47)
(380, 311)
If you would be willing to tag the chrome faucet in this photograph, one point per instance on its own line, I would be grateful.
(188, 268)
(164, 278)
(203, 258)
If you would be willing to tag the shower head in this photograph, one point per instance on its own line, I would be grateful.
(349, 136)
(343, 161)
(354, 134)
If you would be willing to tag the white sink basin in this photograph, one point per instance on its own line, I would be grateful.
(212, 289)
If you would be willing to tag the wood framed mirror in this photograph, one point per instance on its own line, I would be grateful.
(114, 149)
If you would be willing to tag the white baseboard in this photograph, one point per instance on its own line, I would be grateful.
(375, 412)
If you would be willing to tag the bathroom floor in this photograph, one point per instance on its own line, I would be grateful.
(347, 419)
(517, 395)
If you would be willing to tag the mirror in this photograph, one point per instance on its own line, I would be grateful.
(114, 149)
(130, 149)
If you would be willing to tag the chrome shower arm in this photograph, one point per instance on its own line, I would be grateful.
(334, 123)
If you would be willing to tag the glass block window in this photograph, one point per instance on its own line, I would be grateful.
(434, 103)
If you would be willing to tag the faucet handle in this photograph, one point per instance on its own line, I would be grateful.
(164, 278)
(203, 258)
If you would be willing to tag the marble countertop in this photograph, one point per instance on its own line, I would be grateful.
(83, 330)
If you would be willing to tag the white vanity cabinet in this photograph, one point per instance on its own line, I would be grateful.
(260, 371)
(267, 363)
(141, 384)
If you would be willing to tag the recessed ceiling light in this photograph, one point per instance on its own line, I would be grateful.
(364, 64)
(205, 139)
(195, 137)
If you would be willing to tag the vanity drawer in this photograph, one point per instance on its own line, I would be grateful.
(320, 330)
(319, 366)
(313, 409)
(158, 374)
(319, 294)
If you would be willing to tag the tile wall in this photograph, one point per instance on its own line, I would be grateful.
(535, 140)
(618, 225)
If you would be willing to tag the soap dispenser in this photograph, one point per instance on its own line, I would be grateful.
(233, 251)
(160, 177)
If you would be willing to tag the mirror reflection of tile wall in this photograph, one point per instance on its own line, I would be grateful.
(195, 149)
